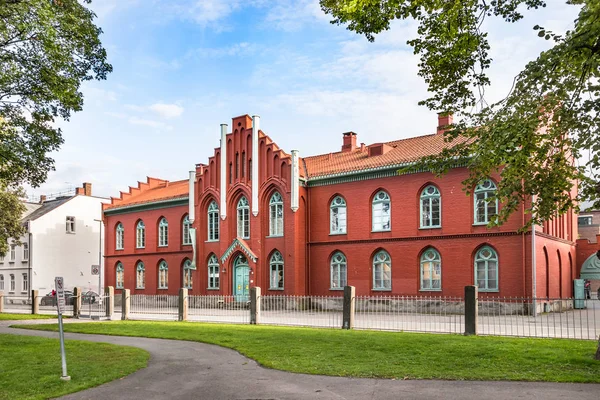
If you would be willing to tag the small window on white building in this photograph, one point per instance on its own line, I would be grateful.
(1, 258)
(12, 283)
(70, 225)
(25, 252)
(25, 284)
(13, 252)
(1, 283)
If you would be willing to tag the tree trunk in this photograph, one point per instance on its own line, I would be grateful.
(598, 351)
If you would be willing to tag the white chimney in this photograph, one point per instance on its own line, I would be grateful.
(192, 211)
(255, 162)
(295, 181)
(223, 188)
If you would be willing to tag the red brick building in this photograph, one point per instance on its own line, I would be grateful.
(290, 225)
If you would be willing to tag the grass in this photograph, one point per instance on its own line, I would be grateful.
(30, 367)
(19, 317)
(379, 354)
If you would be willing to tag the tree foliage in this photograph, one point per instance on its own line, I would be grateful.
(11, 206)
(535, 135)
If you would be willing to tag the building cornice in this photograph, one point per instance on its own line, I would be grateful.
(154, 205)
(418, 238)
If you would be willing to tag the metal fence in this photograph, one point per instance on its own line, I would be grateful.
(314, 311)
(225, 309)
(154, 307)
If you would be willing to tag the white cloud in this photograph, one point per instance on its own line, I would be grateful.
(149, 123)
(167, 110)
(291, 15)
(241, 49)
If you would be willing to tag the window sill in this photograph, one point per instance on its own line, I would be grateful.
(488, 290)
(337, 289)
(186, 244)
(24, 261)
(213, 288)
(11, 262)
(430, 290)
(140, 248)
(119, 249)
(24, 292)
(163, 288)
(480, 223)
(274, 288)
(140, 288)
(70, 233)
(430, 227)
(381, 230)
(273, 236)
(119, 288)
(163, 246)
(337, 233)
(381, 290)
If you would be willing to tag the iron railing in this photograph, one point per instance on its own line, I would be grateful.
(313, 311)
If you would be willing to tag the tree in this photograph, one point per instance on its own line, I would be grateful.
(47, 49)
(534, 135)
(11, 206)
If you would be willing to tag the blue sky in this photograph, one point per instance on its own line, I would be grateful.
(182, 67)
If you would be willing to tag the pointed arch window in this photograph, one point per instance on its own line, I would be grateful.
(486, 207)
(163, 275)
(163, 233)
(119, 237)
(243, 218)
(276, 215)
(140, 235)
(140, 276)
(338, 271)
(431, 270)
(337, 215)
(213, 272)
(382, 271)
(187, 274)
(187, 238)
(382, 206)
(431, 207)
(276, 271)
(213, 222)
(119, 276)
(486, 269)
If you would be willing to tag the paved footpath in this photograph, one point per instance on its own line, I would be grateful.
(188, 370)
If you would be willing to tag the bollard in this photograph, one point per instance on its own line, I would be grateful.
(183, 304)
(471, 310)
(1, 302)
(35, 305)
(109, 291)
(255, 305)
(125, 303)
(76, 302)
(348, 314)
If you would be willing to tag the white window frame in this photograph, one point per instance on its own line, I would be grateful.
(187, 238)
(140, 235)
(119, 276)
(276, 215)
(140, 276)
(483, 191)
(243, 218)
(163, 232)
(338, 216)
(430, 270)
(428, 206)
(1, 282)
(187, 275)
(12, 283)
(381, 210)
(2, 258)
(485, 262)
(119, 236)
(213, 222)
(276, 271)
(13, 253)
(213, 273)
(24, 283)
(70, 224)
(25, 252)
(338, 271)
(587, 218)
(163, 275)
(382, 271)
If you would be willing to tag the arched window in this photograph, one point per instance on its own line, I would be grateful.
(382, 271)
(382, 220)
(486, 269)
(338, 271)
(140, 277)
(276, 268)
(276, 215)
(485, 207)
(213, 272)
(431, 270)
(120, 232)
(187, 238)
(163, 233)
(431, 207)
(187, 274)
(337, 215)
(163, 275)
(213, 222)
(119, 276)
(140, 235)
(243, 218)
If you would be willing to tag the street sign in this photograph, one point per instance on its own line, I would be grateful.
(95, 270)
(59, 283)
(60, 294)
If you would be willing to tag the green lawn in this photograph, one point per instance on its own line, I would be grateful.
(30, 367)
(379, 354)
(18, 317)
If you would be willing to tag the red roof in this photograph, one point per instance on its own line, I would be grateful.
(151, 191)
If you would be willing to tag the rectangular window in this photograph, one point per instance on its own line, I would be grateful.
(381, 216)
(213, 226)
(213, 276)
(338, 220)
(1, 283)
(13, 253)
(187, 238)
(25, 284)
(70, 225)
(187, 278)
(25, 252)
(12, 283)
(163, 279)
(1, 258)
(276, 276)
(244, 223)
(584, 221)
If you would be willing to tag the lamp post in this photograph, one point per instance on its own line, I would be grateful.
(99, 257)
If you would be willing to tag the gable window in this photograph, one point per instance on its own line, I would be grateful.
(187, 274)
(24, 284)
(276, 215)
(584, 220)
(70, 225)
(276, 268)
(140, 235)
(163, 275)
(338, 271)
(213, 272)
(119, 237)
(140, 276)
(2, 282)
(430, 207)
(431, 270)
(25, 252)
(187, 238)
(163, 233)
(213, 222)
(120, 276)
(485, 207)
(486, 269)
(243, 219)
(337, 216)
(382, 271)
(12, 283)
(381, 212)
(13, 252)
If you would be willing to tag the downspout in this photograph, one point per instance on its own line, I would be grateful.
(29, 266)
(533, 269)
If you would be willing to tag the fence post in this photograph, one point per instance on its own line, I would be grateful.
(255, 306)
(471, 309)
(183, 304)
(348, 315)
(35, 306)
(109, 292)
(125, 299)
(1, 302)
(76, 302)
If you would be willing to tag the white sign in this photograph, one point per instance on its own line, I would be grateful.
(60, 294)
(95, 270)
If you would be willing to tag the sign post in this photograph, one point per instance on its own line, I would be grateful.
(60, 304)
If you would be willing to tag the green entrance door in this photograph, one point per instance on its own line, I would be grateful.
(241, 278)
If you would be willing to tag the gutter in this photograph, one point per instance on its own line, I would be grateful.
(156, 204)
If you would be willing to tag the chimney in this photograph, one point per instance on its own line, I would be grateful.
(444, 120)
(87, 189)
(42, 198)
(349, 142)
(79, 191)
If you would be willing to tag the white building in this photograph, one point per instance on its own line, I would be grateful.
(63, 238)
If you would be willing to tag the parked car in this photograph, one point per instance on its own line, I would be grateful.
(50, 300)
(89, 297)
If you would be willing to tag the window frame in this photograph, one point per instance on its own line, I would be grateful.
(187, 275)
(480, 189)
(140, 228)
(338, 202)
(378, 200)
(24, 283)
(243, 218)
(378, 263)
(214, 279)
(276, 265)
(431, 261)
(588, 218)
(163, 233)
(140, 270)
(341, 275)
(429, 198)
(13, 253)
(12, 284)
(276, 222)
(185, 234)
(119, 271)
(70, 224)
(2, 282)
(163, 268)
(25, 252)
(213, 222)
(119, 237)
(493, 258)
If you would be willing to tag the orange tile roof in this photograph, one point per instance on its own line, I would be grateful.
(165, 190)
(402, 151)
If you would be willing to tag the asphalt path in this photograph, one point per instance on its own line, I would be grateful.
(188, 370)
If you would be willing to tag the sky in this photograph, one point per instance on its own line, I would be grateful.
(183, 67)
